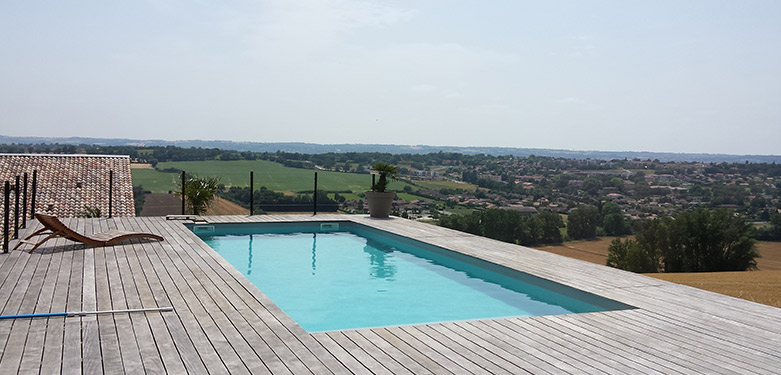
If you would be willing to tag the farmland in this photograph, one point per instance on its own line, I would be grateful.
(272, 175)
(762, 286)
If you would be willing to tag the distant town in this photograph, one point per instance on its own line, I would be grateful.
(448, 182)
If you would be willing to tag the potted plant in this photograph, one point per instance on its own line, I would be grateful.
(379, 200)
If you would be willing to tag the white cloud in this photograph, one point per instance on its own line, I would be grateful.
(299, 28)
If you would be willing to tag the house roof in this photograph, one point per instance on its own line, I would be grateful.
(67, 184)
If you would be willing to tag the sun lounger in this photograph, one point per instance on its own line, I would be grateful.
(53, 227)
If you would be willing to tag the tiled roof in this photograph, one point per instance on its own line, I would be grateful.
(69, 183)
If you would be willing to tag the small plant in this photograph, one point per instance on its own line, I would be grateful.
(90, 212)
(199, 192)
(385, 171)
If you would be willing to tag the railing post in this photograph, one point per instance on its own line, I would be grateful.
(374, 176)
(16, 208)
(314, 209)
(110, 191)
(251, 193)
(6, 213)
(35, 186)
(183, 192)
(24, 202)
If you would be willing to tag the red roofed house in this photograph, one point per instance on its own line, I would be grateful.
(68, 184)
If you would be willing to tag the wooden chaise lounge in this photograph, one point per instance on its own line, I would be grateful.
(55, 228)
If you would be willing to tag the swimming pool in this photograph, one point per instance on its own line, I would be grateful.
(343, 275)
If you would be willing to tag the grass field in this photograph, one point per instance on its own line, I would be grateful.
(272, 175)
(762, 286)
(436, 185)
(225, 207)
(758, 286)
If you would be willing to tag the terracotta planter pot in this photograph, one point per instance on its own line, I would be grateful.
(380, 203)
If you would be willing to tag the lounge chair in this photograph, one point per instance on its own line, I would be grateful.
(55, 228)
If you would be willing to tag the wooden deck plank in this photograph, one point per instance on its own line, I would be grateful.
(430, 365)
(554, 346)
(708, 351)
(142, 333)
(471, 332)
(71, 344)
(629, 353)
(449, 351)
(473, 351)
(485, 348)
(136, 338)
(662, 352)
(360, 354)
(187, 306)
(21, 300)
(168, 329)
(392, 353)
(34, 346)
(36, 293)
(348, 361)
(110, 357)
(14, 346)
(526, 345)
(51, 363)
(611, 359)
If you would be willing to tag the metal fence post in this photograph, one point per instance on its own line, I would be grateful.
(314, 209)
(16, 208)
(6, 211)
(183, 192)
(35, 186)
(24, 202)
(251, 193)
(110, 191)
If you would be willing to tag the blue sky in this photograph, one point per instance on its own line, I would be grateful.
(679, 76)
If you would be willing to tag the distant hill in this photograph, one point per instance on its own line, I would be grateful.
(314, 148)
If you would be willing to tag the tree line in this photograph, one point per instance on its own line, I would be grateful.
(508, 226)
(269, 200)
(699, 240)
(695, 241)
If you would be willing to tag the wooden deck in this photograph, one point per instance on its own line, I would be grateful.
(223, 324)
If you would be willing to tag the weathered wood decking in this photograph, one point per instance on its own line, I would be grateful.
(223, 324)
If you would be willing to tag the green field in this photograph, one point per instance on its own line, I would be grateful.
(411, 197)
(272, 175)
(436, 185)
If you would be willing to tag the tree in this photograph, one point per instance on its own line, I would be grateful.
(199, 192)
(630, 256)
(550, 224)
(592, 185)
(695, 241)
(613, 220)
(139, 196)
(582, 222)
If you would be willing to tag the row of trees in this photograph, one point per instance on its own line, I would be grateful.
(508, 226)
(269, 200)
(694, 241)
(589, 221)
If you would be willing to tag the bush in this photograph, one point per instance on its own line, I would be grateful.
(695, 241)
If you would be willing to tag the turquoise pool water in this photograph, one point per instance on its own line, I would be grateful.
(357, 277)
